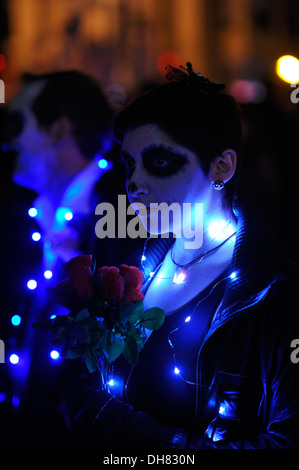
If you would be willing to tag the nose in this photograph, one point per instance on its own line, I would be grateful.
(138, 189)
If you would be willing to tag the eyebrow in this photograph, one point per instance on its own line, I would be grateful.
(152, 150)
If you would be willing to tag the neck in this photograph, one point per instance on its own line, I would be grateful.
(214, 228)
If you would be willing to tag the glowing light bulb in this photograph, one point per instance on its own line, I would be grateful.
(102, 163)
(54, 355)
(36, 236)
(48, 274)
(16, 320)
(287, 68)
(32, 212)
(179, 278)
(32, 284)
(68, 215)
(220, 229)
(14, 359)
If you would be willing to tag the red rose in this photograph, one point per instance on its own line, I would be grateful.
(133, 283)
(124, 284)
(79, 270)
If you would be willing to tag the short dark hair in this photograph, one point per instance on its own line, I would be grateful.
(79, 98)
(206, 123)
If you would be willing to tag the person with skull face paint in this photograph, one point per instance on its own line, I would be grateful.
(217, 374)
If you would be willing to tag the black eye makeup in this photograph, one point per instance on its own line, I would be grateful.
(163, 161)
(159, 161)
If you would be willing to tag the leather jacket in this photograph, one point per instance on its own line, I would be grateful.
(248, 393)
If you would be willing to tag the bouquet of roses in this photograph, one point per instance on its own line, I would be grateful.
(106, 317)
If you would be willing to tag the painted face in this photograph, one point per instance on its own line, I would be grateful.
(36, 162)
(161, 171)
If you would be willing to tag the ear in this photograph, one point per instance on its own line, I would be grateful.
(59, 129)
(223, 167)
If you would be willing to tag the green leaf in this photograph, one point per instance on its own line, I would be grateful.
(130, 312)
(131, 352)
(116, 348)
(91, 359)
(138, 336)
(82, 315)
(153, 318)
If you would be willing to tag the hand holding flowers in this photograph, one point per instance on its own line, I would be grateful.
(106, 317)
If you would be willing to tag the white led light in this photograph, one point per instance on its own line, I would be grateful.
(36, 236)
(32, 284)
(68, 215)
(176, 370)
(179, 278)
(32, 212)
(187, 319)
(48, 274)
(54, 355)
(14, 359)
(233, 275)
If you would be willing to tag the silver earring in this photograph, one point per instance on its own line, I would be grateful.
(218, 185)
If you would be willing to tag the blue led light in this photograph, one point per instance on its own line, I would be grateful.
(14, 359)
(68, 215)
(233, 275)
(143, 258)
(111, 382)
(176, 371)
(16, 320)
(187, 319)
(32, 284)
(36, 236)
(32, 212)
(48, 274)
(52, 317)
(54, 355)
(102, 163)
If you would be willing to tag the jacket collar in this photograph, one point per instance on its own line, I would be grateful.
(258, 262)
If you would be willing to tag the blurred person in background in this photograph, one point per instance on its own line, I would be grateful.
(59, 125)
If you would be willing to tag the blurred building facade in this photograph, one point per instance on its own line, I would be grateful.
(127, 41)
